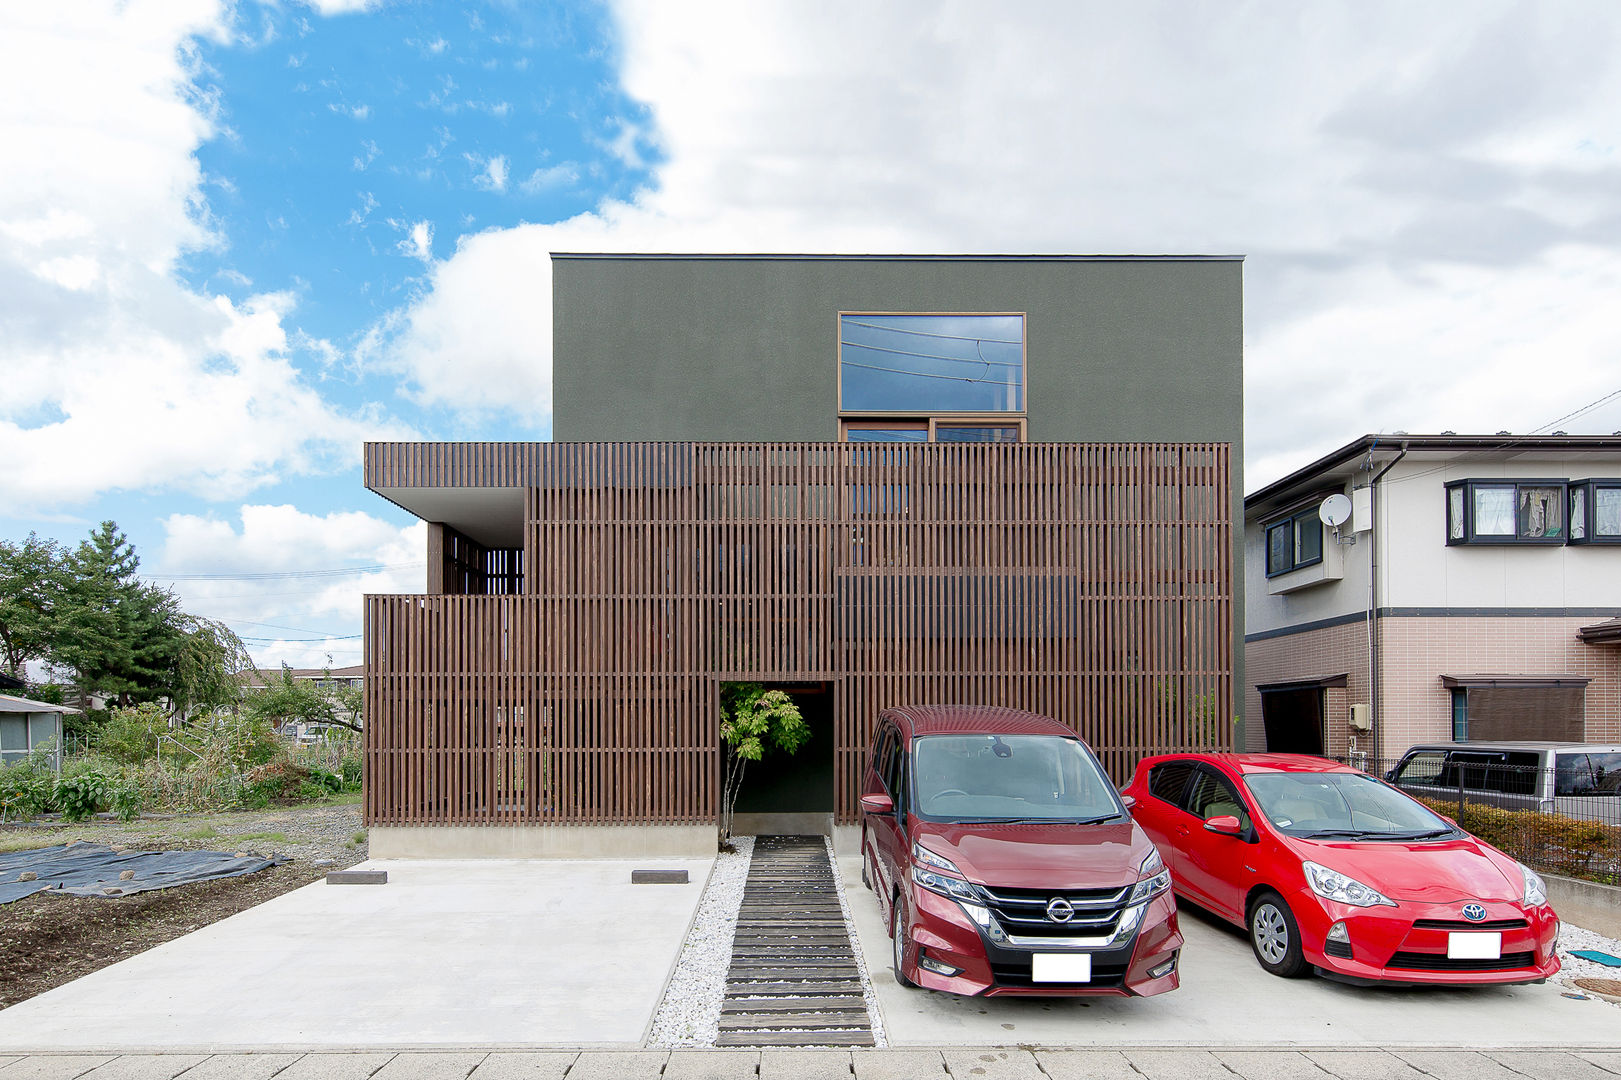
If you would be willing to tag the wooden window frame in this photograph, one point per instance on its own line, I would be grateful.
(931, 425)
(1024, 370)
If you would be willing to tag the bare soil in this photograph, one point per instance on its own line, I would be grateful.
(48, 939)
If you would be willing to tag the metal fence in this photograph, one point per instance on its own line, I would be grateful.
(1557, 812)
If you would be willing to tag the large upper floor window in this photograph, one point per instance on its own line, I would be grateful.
(1595, 511)
(1506, 512)
(1294, 542)
(931, 364)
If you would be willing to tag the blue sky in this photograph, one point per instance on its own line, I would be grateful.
(239, 239)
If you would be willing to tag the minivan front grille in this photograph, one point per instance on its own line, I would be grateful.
(1023, 912)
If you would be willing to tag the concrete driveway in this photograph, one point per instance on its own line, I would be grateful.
(448, 953)
(1226, 1000)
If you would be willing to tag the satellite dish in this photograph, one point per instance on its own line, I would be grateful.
(1335, 511)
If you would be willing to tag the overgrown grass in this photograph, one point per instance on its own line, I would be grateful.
(271, 837)
(348, 798)
(358, 838)
(26, 843)
(207, 832)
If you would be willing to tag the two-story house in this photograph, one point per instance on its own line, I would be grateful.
(867, 481)
(1471, 592)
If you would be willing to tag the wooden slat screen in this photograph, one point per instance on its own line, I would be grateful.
(1089, 582)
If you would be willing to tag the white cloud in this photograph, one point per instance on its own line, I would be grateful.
(142, 382)
(280, 612)
(554, 176)
(1424, 194)
(418, 242)
(343, 7)
(492, 173)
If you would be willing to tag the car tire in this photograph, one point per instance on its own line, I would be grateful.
(1275, 937)
(897, 937)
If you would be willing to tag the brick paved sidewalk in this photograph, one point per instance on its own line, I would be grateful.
(957, 1063)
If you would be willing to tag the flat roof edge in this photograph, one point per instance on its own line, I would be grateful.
(832, 257)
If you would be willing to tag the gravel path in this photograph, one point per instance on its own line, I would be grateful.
(689, 1015)
(875, 1018)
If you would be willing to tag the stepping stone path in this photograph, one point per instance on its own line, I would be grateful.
(793, 979)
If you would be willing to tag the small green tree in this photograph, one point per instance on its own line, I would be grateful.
(752, 720)
(130, 735)
(286, 698)
(32, 577)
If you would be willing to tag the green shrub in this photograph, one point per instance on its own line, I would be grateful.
(130, 736)
(81, 797)
(26, 789)
(125, 798)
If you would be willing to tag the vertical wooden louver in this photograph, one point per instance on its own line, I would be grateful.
(1089, 582)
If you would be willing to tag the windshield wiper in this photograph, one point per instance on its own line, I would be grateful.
(1033, 820)
(1354, 834)
(1374, 834)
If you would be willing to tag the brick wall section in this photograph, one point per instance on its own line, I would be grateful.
(1415, 652)
(1314, 654)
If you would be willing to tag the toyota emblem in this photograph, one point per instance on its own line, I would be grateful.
(1474, 912)
(1060, 910)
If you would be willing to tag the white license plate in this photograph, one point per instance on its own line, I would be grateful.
(1061, 967)
(1475, 946)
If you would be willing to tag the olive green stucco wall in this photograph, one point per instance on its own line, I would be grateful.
(746, 347)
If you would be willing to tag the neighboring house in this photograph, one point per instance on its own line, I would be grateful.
(28, 726)
(330, 681)
(1472, 593)
(867, 481)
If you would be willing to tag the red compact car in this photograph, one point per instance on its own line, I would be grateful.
(1328, 868)
(1005, 863)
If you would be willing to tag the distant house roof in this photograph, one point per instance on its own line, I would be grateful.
(263, 676)
(10, 704)
(1337, 465)
(10, 682)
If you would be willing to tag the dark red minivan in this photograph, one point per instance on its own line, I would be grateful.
(1005, 862)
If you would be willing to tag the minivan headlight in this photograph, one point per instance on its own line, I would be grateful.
(956, 888)
(922, 855)
(1155, 878)
(1536, 893)
(1333, 885)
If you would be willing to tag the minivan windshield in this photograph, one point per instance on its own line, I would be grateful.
(1352, 806)
(1010, 778)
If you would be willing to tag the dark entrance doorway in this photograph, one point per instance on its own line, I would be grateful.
(1294, 720)
(803, 782)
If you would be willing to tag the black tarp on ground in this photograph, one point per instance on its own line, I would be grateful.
(93, 869)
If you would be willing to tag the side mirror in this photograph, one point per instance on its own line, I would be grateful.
(1448, 820)
(1226, 825)
(877, 803)
(1129, 800)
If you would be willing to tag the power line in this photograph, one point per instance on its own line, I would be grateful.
(927, 375)
(931, 356)
(1511, 441)
(926, 333)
